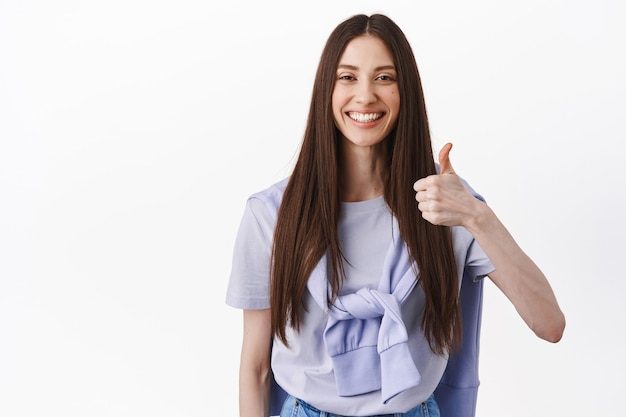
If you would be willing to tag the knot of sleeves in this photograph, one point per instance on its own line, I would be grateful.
(365, 335)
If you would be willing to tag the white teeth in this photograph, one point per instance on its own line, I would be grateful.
(365, 117)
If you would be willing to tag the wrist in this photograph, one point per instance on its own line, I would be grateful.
(479, 217)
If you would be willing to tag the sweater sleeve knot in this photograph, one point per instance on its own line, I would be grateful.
(365, 335)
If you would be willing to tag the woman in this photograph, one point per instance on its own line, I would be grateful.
(349, 271)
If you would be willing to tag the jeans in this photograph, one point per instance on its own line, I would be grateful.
(293, 407)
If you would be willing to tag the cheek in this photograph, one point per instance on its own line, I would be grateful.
(394, 105)
(336, 107)
(395, 99)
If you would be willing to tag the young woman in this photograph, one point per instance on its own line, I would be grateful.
(359, 274)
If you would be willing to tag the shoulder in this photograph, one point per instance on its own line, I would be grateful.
(269, 198)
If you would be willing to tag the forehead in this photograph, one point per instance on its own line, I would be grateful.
(366, 49)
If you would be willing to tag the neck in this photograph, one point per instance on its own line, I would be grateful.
(362, 173)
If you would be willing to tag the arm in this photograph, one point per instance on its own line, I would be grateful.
(443, 200)
(517, 276)
(254, 369)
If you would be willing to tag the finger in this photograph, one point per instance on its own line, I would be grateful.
(421, 196)
(420, 185)
(445, 167)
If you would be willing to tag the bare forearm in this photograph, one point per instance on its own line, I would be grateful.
(518, 276)
(254, 368)
(254, 393)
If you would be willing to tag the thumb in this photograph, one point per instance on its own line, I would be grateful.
(445, 167)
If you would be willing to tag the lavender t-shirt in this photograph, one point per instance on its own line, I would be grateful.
(305, 370)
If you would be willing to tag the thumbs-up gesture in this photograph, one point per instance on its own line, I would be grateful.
(445, 167)
(443, 199)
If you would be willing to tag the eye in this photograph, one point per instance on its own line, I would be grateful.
(346, 77)
(385, 77)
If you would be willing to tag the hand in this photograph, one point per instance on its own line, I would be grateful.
(443, 199)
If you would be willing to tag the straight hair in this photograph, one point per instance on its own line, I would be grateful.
(308, 217)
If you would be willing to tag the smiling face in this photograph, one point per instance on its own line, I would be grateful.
(366, 99)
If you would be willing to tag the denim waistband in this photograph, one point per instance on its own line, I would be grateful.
(413, 412)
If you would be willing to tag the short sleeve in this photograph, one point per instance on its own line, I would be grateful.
(248, 285)
(477, 264)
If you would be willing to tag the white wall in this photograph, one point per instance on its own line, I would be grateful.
(131, 133)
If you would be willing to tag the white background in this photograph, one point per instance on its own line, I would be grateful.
(131, 133)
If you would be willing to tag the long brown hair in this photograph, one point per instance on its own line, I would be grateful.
(307, 221)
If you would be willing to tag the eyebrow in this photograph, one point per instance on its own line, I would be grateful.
(355, 68)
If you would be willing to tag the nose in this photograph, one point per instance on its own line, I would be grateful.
(365, 92)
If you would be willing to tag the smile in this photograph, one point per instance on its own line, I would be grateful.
(365, 117)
